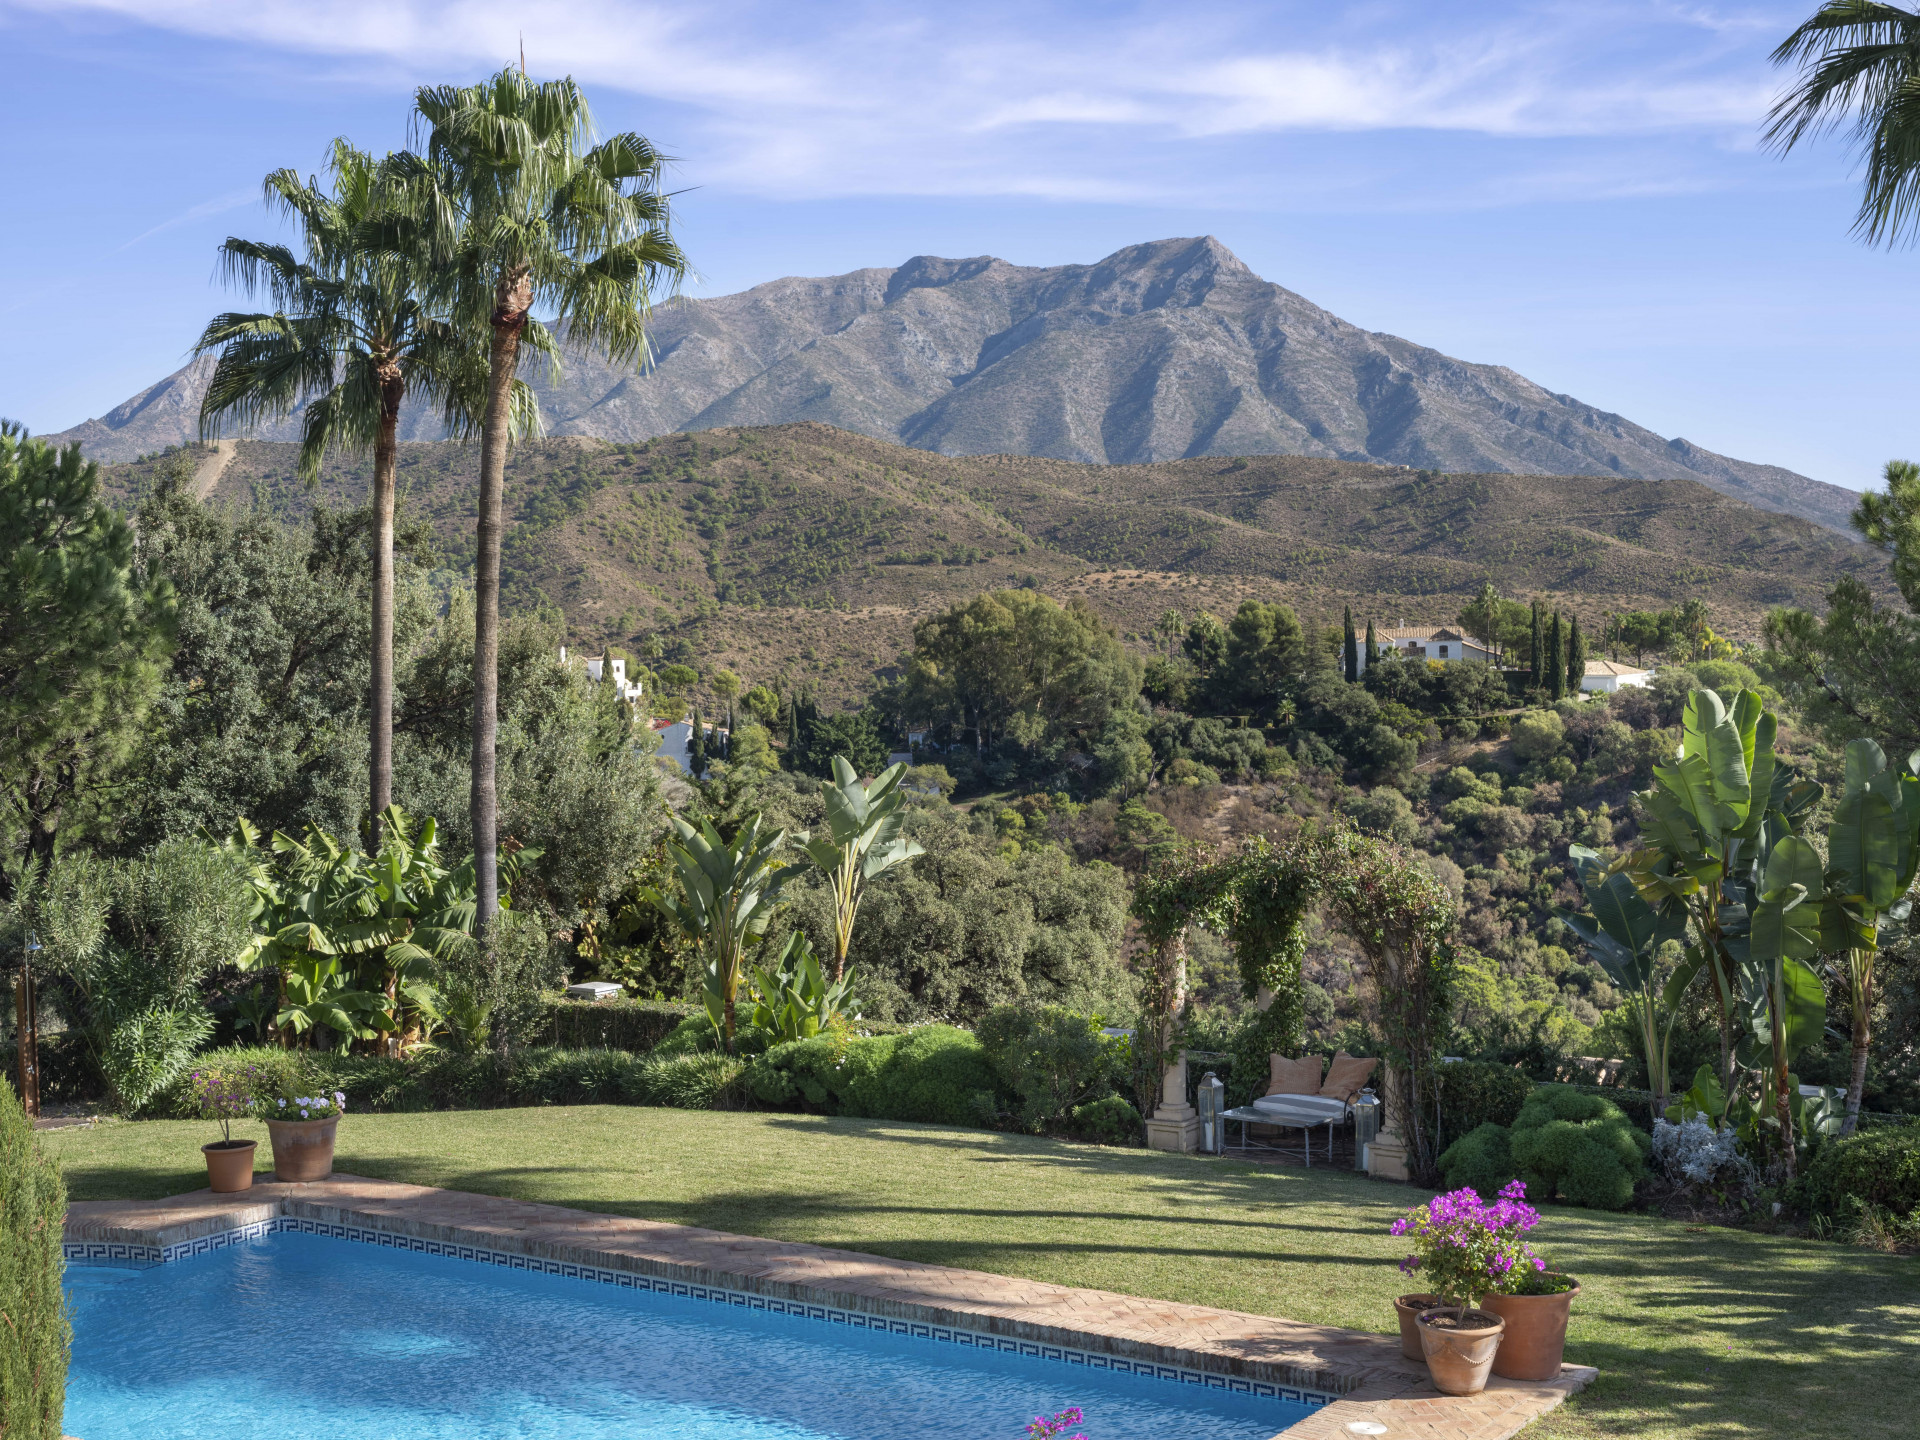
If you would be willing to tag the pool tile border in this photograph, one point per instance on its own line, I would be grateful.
(112, 1251)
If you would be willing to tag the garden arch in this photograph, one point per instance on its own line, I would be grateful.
(1258, 897)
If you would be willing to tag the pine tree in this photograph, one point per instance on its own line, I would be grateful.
(697, 747)
(1539, 674)
(1373, 647)
(1576, 658)
(1556, 666)
(1350, 648)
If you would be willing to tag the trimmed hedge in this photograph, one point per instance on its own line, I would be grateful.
(35, 1338)
(1878, 1167)
(936, 1073)
(449, 1081)
(634, 1025)
(67, 1071)
(1473, 1093)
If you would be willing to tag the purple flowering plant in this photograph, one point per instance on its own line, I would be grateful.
(225, 1095)
(1467, 1248)
(1042, 1427)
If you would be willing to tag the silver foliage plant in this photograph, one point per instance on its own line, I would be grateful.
(1693, 1155)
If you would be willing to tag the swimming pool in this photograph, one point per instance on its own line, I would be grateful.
(300, 1337)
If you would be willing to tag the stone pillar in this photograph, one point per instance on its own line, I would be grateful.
(1387, 1157)
(1174, 1124)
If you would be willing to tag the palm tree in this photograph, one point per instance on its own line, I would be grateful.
(529, 213)
(862, 841)
(1860, 58)
(348, 341)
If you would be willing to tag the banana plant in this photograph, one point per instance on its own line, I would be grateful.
(863, 841)
(795, 999)
(1624, 934)
(1785, 999)
(1708, 818)
(352, 936)
(724, 902)
(1873, 843)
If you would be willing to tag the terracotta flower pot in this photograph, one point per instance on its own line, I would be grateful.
(1536, 1337)
(303, 1149)
(229, 1165)
(1408, 1308)
(1459, 1359)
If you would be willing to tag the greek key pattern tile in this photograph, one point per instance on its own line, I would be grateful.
(113, 1252)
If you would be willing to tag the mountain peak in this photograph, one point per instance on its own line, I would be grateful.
(1167, 349)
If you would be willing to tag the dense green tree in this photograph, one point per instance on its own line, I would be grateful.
(1857, 669)
(1373, 646)
(964, 928)
(1504, 625)
(530, 213)
(1638, 632)
(1266, 653)
(1019, 666)
(1205, 644)
(1860, 59)
(1576, 658)
(350, 337)
(1350, 648)
(1538, 649)
(1555, 662)
(83, 636)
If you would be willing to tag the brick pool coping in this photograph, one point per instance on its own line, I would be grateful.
(1367, 1373)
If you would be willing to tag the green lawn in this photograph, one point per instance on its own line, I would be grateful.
(1699, 1333)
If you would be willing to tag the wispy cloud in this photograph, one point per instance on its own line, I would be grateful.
(1074, 101)
(233, 200)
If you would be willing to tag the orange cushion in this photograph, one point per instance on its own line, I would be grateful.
(1346, 1075)
(1294, 1077)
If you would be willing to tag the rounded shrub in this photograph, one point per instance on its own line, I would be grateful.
(1878, 1167)
(1480, 1159)
(1579, 1147)
(1049, 1058)
(1538, 735)
(1112, 1121)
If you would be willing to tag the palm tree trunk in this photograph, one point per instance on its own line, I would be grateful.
(1861, 965)
(385, 462)
(512, 298)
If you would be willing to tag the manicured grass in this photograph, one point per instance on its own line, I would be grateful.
(1700, 1333)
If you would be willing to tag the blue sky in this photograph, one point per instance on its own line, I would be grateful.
(1575, 190)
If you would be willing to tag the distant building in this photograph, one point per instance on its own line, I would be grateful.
(1428, 642)
(1603, 677)
(677, 735)
(597, 670)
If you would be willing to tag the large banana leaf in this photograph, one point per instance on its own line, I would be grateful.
(1863, 845)
(1690, 783)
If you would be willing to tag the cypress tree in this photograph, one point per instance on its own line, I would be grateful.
(1576, 658)
(697, 747)
(727, 752)
(1556, 665)
(793, 732)
(1539, 674)
(1350, 648)
(1373, 646)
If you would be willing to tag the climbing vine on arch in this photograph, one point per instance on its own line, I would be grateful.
(1258, 897)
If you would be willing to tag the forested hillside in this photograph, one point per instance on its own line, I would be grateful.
(800, 548)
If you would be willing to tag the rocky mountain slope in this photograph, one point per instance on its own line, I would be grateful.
(804, 550)
(1163, 351)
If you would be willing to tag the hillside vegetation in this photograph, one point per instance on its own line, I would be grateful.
(808, 551)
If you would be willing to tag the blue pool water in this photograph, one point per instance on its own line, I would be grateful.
(298, 1337)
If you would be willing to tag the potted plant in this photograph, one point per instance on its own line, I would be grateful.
(302, 1127)
(1467, 1249)
(1534, 1302)
(226, 1096)
(1408, 1308)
